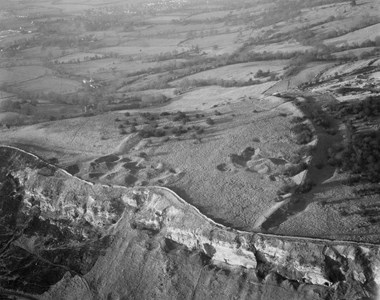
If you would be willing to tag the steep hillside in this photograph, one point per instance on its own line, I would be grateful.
(64, 238)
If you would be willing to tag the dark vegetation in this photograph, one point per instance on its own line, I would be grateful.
(360, 155)
(295, 169)
(163, 124)
(369, 107)
(303, 133)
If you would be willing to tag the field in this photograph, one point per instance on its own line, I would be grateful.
(215, 96)
(78, 57)
(137, 51)
(356, 52)
(51, 84)
(346, 68)
(282, 47)
(357, 36)
(17, 75)
(240, 72)
(208, 15)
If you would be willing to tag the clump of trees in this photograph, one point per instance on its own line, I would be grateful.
(210, 121)
(362, 156)
(369, 107)
(152, 132)
(187, 84)
(181, 116)
(262, 74)
(320, 118)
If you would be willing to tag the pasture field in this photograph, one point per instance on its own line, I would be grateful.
(240, 72)
(179, 30)
(39, 52)
(78, 57)
(51, 84)
(356, 52)
(208, 15)
(139, 51)
(165, 19)
(17, 75)
(218, 44)
(286, 47)
(215, 96)
(357, 36)
(346, 68)
(110, 68)
(5, 96)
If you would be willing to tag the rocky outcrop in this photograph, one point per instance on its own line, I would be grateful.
(65, 238)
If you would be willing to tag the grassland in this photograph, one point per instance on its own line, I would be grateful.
(178, 94)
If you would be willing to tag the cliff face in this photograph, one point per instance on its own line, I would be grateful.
(64, 238)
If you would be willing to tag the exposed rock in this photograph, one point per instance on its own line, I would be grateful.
(65, 238)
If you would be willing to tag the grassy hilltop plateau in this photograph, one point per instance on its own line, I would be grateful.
(188, 149)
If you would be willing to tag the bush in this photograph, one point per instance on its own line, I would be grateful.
(305, 150)
(210, 121)
(296, 120)
(303, 133)
(261, 74)
(147, 133)
(295, 169)
(143, 155)
(305, 187)
(320, 119)
(148, 116)
(181, 116)
(285, 189)
(53, 161)
(200, 130)
(304, 137)
(177, 131)
(159, 133)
